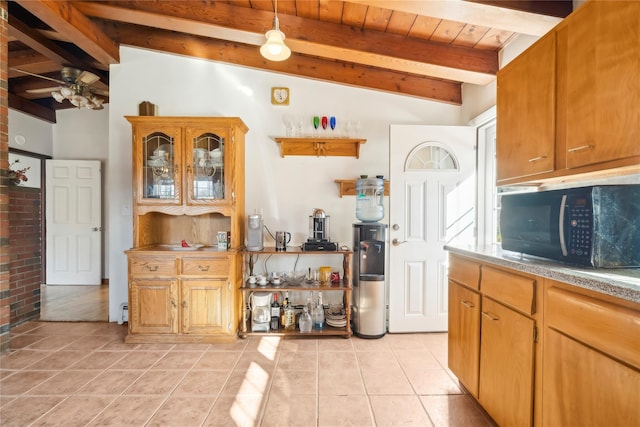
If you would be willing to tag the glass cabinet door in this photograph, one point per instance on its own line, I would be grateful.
(159, 168)
(206, 166)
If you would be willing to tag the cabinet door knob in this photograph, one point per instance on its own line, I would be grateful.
(396, 242)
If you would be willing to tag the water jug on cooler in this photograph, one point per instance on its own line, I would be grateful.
(369, 199)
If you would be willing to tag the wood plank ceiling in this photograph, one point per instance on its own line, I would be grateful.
(426, 49)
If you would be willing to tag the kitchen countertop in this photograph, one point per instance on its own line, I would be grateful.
(620, 282)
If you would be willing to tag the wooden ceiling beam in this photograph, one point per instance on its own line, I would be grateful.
(36, 41)
(310, 37)
(31, 61)
(476, 13)
(298, 65)
(557, 8)
(31, 108)
(65, 18)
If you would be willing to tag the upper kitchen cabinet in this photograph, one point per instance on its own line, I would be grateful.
(602, 78)
(526, 112)
(188, 179)
(568, 107)
(187, 165)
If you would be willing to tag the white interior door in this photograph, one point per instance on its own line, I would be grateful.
(74, 222)
(432, 199)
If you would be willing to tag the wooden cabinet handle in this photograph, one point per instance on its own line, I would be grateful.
(535, 159)
(582, 147)
(467, 304)
(203, 267)
(490, 315)
(151, 267)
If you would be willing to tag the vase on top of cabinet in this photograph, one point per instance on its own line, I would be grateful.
(188, 189)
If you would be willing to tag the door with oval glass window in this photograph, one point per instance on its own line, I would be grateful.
(431, 204)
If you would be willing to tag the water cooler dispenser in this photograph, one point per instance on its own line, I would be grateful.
(368, 296)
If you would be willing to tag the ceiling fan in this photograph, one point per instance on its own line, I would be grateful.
(75, 86)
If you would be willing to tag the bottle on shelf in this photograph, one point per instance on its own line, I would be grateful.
(275, 313)
(283, 308)
(289, 314)
(318, 314)
(305, 320)
(310, 304)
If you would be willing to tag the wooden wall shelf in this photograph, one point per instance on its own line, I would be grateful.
(348, 187)
(320, 146)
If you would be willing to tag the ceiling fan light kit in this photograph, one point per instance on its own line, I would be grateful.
(75, 87)
(274, 48)
(75, 95)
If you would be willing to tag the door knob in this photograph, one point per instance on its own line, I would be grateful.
(396, 242)
(395, 227)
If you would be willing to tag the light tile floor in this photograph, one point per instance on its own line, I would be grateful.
(77, 374)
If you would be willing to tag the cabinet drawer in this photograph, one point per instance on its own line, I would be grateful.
(218, 267)
(607, 327)
(464, 272)
(150, 265)
(515, 291)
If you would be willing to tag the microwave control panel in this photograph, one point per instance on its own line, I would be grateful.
(580, 227)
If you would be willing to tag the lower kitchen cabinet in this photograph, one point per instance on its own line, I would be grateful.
(204, 306)
(591, 360)
(464, 335)
(153, 306)
(546, 353)
(506, 364)
(492, 333)
(181, 297)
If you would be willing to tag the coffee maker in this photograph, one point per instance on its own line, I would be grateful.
(260, 311)
(255, 240)
(319, 233)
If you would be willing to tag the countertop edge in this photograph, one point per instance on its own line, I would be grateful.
(620, 283)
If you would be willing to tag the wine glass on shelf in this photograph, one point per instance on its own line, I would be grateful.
(289, 125)
(299, 125)
(350, 128)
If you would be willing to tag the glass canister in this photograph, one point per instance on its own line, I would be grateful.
(369, 199)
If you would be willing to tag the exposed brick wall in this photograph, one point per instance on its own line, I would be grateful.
(25, 217)
(4, 195)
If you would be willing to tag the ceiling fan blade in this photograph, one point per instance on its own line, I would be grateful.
(44, 90)
(99, 91)
(38, 75)
(87, 78)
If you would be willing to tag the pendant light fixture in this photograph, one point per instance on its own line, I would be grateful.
(274, 48)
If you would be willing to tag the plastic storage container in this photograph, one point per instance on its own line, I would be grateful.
(369, 199)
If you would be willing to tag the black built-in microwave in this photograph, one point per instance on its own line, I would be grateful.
(597, 226)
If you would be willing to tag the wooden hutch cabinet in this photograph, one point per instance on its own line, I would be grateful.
(188, 186)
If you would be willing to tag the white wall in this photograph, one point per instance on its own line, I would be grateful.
(30, 134)
(284, 189)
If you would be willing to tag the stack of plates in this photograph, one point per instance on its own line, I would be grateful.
(336, 319)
